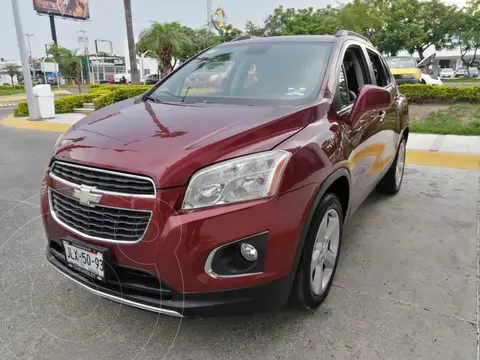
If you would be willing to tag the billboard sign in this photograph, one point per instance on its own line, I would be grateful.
(76, 9)
(218, 19)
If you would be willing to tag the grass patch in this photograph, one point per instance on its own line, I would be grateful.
(459, 119)
(462, 80)
(10, 91)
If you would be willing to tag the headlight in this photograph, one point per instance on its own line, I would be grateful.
(59, 140)
(245, 178)
(213, 78)
(408, 76)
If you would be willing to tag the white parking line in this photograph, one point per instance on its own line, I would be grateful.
(8, 104)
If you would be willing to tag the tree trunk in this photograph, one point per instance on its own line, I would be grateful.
(135, 76)
(420, 53)
(79, 85)
(11, 78)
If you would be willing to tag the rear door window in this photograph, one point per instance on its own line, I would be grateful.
(380, 72)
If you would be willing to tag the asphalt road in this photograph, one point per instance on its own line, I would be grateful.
(405, 287)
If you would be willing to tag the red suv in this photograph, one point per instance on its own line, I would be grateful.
(231, 201)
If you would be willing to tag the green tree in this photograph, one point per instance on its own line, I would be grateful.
(229, 33)
(434, 26)
(198, 40)
(254, 30)
(467, 35)
(166, 40)
(69, 63)
(12, 71)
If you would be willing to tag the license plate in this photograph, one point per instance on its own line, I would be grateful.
(85, 260)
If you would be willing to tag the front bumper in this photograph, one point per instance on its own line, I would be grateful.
(177, 245)
(267, 297)
(406, 81)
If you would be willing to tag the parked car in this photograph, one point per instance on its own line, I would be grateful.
(430, 80)
(404, 69)
(447, 73)
(152, 79)
(462, 72)
(231, 201)
(210, 75)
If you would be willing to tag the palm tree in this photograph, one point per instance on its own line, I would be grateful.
(165, 40)
(135, 76)
(13, 70)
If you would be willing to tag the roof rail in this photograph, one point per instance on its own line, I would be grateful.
(341, 33)
(243, 37)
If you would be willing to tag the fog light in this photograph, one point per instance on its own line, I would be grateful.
(248, 252)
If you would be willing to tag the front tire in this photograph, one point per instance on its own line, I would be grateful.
(392, 181)
(320, 255)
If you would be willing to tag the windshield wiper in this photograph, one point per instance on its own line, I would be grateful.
(151, 98)
(186, 93)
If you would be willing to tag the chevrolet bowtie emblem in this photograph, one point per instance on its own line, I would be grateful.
(85, 195)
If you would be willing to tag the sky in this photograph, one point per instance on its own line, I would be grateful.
(107, 20)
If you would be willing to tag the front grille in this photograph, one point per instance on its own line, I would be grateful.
(397, 76)
(99, 222)
(104, 180)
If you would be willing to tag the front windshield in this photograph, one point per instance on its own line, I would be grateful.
(401, 62)
(253, 74)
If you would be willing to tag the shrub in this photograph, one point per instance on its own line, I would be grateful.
(440, 94)
(68, 103)
(21, 109)
(104, 100)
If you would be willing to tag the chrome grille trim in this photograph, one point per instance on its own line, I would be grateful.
(102, 171)
(84, 220)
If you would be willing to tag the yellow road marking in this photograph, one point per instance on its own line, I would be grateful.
(450, 160)
(35, 125)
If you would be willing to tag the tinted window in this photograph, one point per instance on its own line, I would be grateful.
(343, 98)
(379, 71)
(256, 74)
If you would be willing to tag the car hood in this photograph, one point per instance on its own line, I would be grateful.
(168, 142)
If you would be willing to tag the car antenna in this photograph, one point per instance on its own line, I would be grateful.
(186, 93)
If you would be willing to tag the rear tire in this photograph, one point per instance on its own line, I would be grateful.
(320, 255)
(392, 181)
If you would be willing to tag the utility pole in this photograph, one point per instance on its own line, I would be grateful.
(135, 76)
(30, 52)
(209, 14)
(53, 29)
(32, 106)
(83, 39)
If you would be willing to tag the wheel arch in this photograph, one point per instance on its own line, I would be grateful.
(336, 182)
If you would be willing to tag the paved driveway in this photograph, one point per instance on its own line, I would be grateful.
(405, 287)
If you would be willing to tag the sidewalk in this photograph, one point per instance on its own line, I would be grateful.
(444, 143)
(453, 151)
(61, 122)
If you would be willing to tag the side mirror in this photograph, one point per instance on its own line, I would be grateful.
(370, 98)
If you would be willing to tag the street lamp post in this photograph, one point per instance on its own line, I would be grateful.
(32, 106)
(28, 36)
